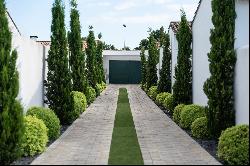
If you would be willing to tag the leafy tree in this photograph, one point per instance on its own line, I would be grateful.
(164, 84)
(144, 44)
(219, 88)
(109, 47)
(152, 62)
(143, 67)
(11, 111)
(58, 84)
(183, 74)
(77, 56)
(91, 59)
(99, 60)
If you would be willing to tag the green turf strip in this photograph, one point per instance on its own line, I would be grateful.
(125, 149)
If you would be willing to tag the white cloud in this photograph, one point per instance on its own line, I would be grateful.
(127, 4)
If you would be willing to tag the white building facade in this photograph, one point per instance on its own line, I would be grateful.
(201, 26)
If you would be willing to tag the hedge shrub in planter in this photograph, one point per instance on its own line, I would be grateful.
(190, 113)
(80, 102)
(35, 136)
(233, 145)
(49, 118)
(177, 113)
(153, 92)
(161, 97)
(169, 103)
(91, 96)
(199, 128)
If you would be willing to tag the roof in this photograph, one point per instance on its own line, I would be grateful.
(45, 43)
(121, 53)
(174, 25)
(13, 22)
(195, 14)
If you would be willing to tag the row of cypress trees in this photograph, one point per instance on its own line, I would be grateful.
(67, 69)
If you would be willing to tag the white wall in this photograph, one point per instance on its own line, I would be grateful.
(118, 55)
(159, 65)
(30, 67)
(174, 51)
(201, 47)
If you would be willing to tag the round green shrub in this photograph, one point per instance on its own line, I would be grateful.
(233, 145)
(190, 113)
(49, 118)
(35, 136)
(161, 97)
(177, 113)
(153, 92)
(91, 96)
(199, 128)
(80, 102)
(169, 103)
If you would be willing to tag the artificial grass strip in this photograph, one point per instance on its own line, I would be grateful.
(125, 148)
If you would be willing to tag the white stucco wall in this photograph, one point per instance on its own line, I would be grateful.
(118, 55)
(201, 47)
(159, 65)
(30, 67)
(174, 51)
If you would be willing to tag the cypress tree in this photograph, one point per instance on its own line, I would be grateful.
(58, 84)
(164, 84)
(11, 111)
(219, 87)
(77, 56)
(143, 67)
(152, 62)
(99, 61)
(183, 85)
(91, 59)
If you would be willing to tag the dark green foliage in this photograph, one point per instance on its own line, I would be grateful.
(99, 62)
(58, 84)
(125, 149)
(233, 145)
(49, 118)
(164, 84)
(199, 128)
(91, 59)
(151, 63)
(77, 56)
(182, 89)
(144, 44)
(219, 88)
(11, 111)
(109, 47)
(143, 67)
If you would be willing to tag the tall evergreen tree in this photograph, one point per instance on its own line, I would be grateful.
(143, 67)
(99, 61)
(152, 62)
(183, 74)
(58, 84)
(164, 84)
(77, 56)
(91, 59)
(219, 87)
(11, 111)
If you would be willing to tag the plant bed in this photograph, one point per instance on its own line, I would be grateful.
(29, 159)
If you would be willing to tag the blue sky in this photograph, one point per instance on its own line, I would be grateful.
(33, 17)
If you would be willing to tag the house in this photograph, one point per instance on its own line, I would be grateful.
(30, 65)
(201, 25)
(172, 31)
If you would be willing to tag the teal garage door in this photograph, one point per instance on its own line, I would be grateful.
(124, 72)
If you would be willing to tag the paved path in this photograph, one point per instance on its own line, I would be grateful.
(88, 140)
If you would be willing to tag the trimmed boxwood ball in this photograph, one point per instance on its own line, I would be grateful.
(49, 118)
(80, 102)
(153, 92)
(169, 103)
(199, 128)
(91, 96)
(190, 113)
(35, 136)
(233, 145)
(177, 113)
(161, 97)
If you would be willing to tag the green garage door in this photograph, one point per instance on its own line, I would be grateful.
(124, 72)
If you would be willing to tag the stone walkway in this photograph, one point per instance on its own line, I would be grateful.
(88, 140)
